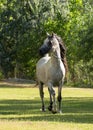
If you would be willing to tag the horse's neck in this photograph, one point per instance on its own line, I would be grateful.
(56, 59)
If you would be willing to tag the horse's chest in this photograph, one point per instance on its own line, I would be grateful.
(56, 76)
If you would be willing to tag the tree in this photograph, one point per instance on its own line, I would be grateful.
(23, 27)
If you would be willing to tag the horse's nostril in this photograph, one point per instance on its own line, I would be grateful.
(40, 52)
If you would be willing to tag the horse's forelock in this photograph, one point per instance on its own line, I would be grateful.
(46, 41)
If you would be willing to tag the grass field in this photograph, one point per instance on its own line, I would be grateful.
(20, 109)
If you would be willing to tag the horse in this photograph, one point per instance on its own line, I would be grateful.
(51, 70)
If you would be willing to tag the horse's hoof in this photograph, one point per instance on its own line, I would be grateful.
(50, 108)
(60, 112)
(43, 110)
(54, 112)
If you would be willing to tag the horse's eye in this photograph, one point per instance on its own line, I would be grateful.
(49, 43)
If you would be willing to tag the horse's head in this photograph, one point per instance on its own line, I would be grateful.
(54, 43)
(50, 44)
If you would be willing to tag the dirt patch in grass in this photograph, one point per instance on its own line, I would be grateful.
(17, 82)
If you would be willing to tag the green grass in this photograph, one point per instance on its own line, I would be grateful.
(20, 110)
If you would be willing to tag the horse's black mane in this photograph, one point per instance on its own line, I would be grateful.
(63, 51)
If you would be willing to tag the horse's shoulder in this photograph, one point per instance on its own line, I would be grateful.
(43, 60)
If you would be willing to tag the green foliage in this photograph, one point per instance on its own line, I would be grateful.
(23, 27)
(1, 76)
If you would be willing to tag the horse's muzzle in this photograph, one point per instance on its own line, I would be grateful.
(43, 50)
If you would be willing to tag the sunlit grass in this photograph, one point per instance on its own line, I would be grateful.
(20, 110)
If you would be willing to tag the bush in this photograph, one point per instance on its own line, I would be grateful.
(1, 76)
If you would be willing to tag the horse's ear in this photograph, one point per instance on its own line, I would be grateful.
(47, 34)
(50, 36)
(53, 34)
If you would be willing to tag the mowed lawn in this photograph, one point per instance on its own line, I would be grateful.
(20, 109)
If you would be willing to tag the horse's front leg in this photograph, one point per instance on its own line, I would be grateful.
(60, 97)
(42, 95)
(52, 93)
(51, 102)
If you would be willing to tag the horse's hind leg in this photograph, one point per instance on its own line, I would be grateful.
(59, 97)
(42, 95)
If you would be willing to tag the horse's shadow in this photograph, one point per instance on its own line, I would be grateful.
(75, 109)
